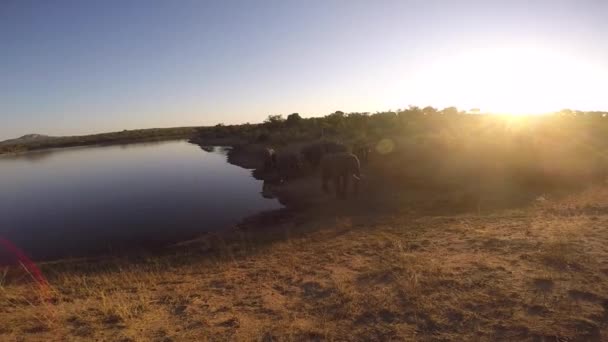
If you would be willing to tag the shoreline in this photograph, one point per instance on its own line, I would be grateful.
(300, 194)
(101, 144)
(92, 144)
(301, 198)
(110, 138)
(238, 156)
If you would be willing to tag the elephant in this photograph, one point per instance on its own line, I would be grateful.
(288, 165)
(314, 152)
(339, 168)
(269, 157)
(280, 166)
(262, 160)
(362, 150)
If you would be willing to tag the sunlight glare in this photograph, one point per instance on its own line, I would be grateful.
(515, 80)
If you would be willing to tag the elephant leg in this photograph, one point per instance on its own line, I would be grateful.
(345, 185)
(342, 181)
(337, 186)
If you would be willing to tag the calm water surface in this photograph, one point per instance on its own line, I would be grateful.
(78, 201)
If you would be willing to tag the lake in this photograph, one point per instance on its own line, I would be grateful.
(88, 200)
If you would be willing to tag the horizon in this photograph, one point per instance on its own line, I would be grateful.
(473, 111)
(72, 68)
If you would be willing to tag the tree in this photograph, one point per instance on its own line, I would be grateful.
(293, 119)
(428, 110)
(274, 121)
(450, 111)
(275, 118)
(410, 111)
(335, 120)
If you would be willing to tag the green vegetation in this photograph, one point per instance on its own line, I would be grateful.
(484, 157)
(413, 122)
(422, 147)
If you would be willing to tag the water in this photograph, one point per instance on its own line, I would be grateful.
(82, 201)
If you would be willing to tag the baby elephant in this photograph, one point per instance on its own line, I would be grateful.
(340, 168)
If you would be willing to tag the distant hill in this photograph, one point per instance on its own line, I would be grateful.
(32, 142)
(28, 138)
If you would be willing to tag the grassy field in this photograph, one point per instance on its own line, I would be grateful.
(533, 273)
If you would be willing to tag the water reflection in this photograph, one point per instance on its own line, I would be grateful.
(33, 156)
(79, 201)
(209, 149)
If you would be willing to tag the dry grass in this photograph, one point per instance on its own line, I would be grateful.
(537, 274)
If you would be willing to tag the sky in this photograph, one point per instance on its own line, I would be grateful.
(79, 67)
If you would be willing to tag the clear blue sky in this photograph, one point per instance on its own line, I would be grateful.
(75, 67)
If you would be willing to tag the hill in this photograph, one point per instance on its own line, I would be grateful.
(27, 139)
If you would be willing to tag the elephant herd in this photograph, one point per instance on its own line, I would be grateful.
(332, 160)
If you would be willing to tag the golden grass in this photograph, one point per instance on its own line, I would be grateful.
(538, 274)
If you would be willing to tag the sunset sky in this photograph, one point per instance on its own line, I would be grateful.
(76, 67)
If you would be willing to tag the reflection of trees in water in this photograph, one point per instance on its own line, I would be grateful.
(33, 156)
(125, 146)
(217, 149)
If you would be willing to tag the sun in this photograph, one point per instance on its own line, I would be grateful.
(514, 80)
